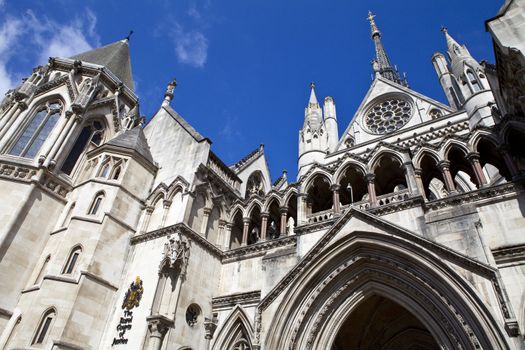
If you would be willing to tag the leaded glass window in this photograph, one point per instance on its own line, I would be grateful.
(38, 130)
(92, 133)
(388, 116)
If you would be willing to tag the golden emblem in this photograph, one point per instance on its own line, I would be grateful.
(133, 295)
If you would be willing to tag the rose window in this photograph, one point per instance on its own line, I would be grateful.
(388, 116)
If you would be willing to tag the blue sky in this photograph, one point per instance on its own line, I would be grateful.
(244, 67)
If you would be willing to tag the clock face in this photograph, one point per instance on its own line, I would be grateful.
(388, 116)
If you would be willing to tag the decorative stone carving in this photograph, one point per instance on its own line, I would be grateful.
(176, 253)
(388, 116)
(210, 325)
(86, 92)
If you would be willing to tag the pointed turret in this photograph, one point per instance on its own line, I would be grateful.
(313, 138)
(330, 120)
(115, 57)
(464, 82)
(381, 63)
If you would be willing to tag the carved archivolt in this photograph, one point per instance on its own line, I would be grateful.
(363, 264)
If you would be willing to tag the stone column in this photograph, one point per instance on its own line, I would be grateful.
(411, 178)
(509, 162)
(246, 227)
(335, 198)
(284, 220)
(419, 182)
(220, 233)
(473, 158)
(302, 208)
(204, 223)
(158, 326)
(11, 125)
(227, 235)
(210, 325)
(166, 206)
(444, 167)
(370, 180)
(65, 133)
(264, 225)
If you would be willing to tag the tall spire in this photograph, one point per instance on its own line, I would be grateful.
(313, 98)
(382, 63)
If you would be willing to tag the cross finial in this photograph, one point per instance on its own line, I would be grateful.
(444, 29)
(371, 18)
(312, 85)
(129, 35)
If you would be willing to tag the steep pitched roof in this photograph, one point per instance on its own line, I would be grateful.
(179, 119)
(133, 139)
(115, 57)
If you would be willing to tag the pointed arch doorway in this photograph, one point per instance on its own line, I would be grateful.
(381, 324)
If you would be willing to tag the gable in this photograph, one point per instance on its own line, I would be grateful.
(389, 107)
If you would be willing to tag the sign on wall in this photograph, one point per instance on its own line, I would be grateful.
(131, 300)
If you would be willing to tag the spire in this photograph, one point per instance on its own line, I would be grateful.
(313, 98)
(459, 55)
(313, 115)
(382, 63)
(114, 56)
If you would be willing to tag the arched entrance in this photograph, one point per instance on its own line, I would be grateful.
(381, 324)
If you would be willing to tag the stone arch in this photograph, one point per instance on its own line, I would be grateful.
(157, 213)
(255, 185)
(236, 208)
(236, 229)
(331, 284)
(389, 173)
(425, 151)
(431, 177)
(200, 204)
(381, 154)
(270, 199)
(450, 144)
(306, 183)
(255, 221)
(318, 189)
(273, 229)
(460, 168)
(339, 173)
(353, 186)
(251, 206)
(237, 327)
(491, 161)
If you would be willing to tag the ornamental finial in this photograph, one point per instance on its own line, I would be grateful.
(168, 95)
(444, 29)
(312, 85)
(373, 25)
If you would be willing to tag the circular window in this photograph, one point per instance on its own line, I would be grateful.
(388, 116)
(193, 313)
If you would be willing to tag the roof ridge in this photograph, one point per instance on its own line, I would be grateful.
(248, 159)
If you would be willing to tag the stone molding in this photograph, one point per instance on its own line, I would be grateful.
(510, 254)
(228, 301)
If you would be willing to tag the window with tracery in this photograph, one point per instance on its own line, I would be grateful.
(476, 86)
(388, 116)
(38, 130)
(91, 134)
(435, 113)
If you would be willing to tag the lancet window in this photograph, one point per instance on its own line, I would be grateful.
(37, 131)
(72, 261)
(44, 327)
(91, 135)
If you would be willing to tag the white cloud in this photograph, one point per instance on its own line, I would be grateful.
(10, 32)
(191, 47)
(42, 38)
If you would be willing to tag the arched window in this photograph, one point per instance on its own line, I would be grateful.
(69, 214)
(473, 80)
(71, 262)
(435, 113)
(105, 170)
(44, 326)
(91, 134)
(38, 129)
(43, 270)
(96, 204)
(116, 172)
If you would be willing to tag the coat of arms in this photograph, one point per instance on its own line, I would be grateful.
(133, 295)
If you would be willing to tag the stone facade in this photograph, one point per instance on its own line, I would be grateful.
(405, 232)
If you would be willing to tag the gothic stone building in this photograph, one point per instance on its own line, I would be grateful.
(407, 232)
